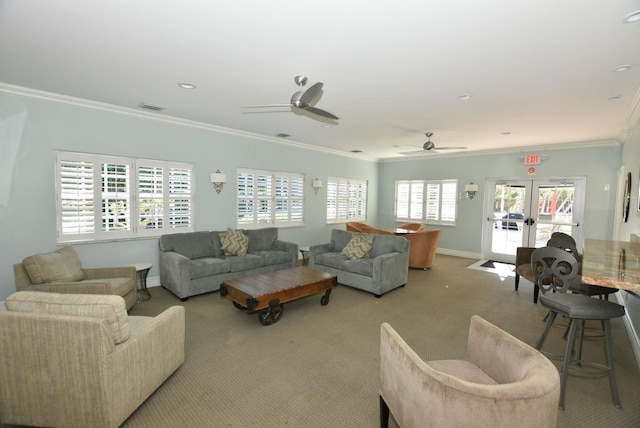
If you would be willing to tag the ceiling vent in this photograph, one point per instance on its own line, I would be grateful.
(281, 135)
(151, 107)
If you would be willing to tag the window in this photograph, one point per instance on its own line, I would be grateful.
(102, 197)
(270, 198)
(426, 201)
(346, 200)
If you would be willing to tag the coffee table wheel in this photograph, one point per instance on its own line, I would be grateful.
(270, 315)
(239, 306)
(324, 301)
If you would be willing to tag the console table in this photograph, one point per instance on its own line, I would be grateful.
(614, 264)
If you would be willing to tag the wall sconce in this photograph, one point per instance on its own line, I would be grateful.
(218, 179)
(469, 191)
(316, 184)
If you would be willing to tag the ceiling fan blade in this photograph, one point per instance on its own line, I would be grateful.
(268, 105)
(322, 113)
(310, 94)
(451, 148)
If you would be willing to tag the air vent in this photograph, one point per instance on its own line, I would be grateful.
(356, 151)
(281, 135)
(151, 107)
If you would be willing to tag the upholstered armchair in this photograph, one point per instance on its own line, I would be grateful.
(503, 382)
(61, 272)
(72, 360)
(422, 248)
(416, 227)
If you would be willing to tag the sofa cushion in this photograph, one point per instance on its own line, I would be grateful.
(359, 246)
(340, 238)
(361, 266)
(262, 239)
(383, 244)
(208, 266)
(246, 262)
(62, 265)
(192, 245)
(333, 260)
(274, 257)
(105, 307)
(234, 242)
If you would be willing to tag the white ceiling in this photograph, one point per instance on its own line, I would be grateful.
(542, 71)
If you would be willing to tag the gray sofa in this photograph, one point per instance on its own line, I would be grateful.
(194, 263)
(385, 268)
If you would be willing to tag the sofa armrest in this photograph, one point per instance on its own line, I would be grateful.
(391, 268)
(290, 248)
(314, 250)
(175, 272)
(143, 362)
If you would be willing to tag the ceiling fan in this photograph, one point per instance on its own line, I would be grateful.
(303, 99)
(429, 146)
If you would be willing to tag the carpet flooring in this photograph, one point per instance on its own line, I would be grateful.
(318, 365)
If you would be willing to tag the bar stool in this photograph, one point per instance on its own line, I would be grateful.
(555, 270)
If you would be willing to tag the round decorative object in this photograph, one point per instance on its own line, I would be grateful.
(626, 198)
(270, 315)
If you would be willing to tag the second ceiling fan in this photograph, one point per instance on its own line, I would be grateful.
(430, 147)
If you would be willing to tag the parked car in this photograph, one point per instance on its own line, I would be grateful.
(512, 225)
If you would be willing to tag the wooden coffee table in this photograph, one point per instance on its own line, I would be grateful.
(265, 293)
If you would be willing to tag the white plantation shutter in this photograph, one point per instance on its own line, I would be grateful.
(107, 197)
(269, 198)
(346, 200)
(427, 201)
(76, 203)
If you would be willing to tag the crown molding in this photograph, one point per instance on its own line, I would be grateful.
(81, 102)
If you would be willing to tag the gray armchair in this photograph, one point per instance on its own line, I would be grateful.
(503, 382)
(72, 360)
(61, 272)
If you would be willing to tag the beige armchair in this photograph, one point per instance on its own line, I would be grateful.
(73, 360)
(503, 382)
(61, 272)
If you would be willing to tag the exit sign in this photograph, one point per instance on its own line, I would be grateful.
(532, 160)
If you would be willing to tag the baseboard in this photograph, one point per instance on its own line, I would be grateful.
(457, 253)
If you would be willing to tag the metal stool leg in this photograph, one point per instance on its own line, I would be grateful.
(551, 316)
(567, 361)
(612, 371)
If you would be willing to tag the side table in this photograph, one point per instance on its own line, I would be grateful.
(304, 252)
(142, 270)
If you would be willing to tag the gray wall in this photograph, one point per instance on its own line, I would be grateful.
(32, 129)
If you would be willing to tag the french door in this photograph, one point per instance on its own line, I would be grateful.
(524, 213)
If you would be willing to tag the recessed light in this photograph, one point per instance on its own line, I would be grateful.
(325, 125)
(632, 17)
(615, 97)
(623, 68)
(185, 85)
(506, 133)
(464, 97)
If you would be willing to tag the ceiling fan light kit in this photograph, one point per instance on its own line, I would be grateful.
(430, 146)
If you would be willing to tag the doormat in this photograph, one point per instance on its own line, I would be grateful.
(492, 266)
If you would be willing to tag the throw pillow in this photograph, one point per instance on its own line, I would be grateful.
(359, 246)
(62, 265)
(234, 242)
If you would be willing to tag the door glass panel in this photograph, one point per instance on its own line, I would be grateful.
(508, 218)
(555, 211)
